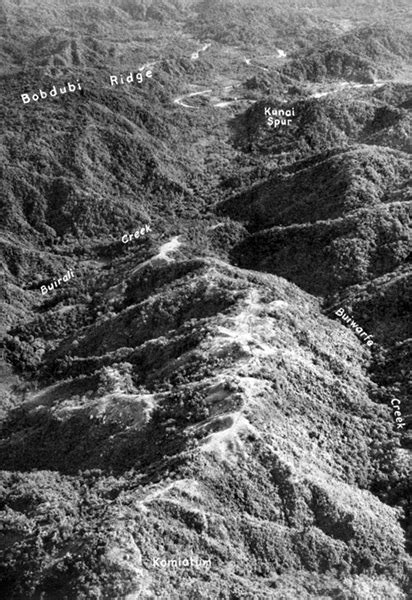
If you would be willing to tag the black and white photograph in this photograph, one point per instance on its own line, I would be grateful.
(206, 296)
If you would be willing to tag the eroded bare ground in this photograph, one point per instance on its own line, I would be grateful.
(190, 393)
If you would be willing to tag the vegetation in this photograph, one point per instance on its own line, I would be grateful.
(191, 393)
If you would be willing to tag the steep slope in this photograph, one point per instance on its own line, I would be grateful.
(255, 24)
(361, 55)
(81, 169)
(353, 224)
(324, 187)
(337, 118)
(234, 425)
(330, 255)
(383, 309)
(179, 419)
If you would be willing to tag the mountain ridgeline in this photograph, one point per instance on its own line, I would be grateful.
(190, 394)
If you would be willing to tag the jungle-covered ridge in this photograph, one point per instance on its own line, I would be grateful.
(192, 392)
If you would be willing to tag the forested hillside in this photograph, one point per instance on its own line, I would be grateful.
(188, 292)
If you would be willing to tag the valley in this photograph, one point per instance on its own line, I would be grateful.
(190, 416)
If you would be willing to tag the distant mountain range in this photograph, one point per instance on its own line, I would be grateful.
(364, 54)
(192, 393)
